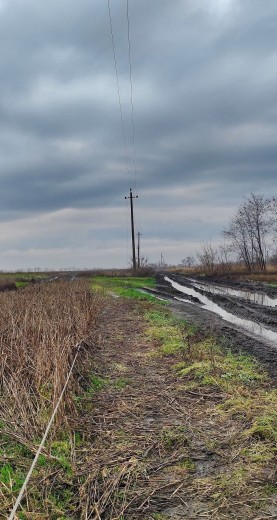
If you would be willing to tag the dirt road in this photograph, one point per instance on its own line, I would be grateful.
(242, 313)
(161, 450)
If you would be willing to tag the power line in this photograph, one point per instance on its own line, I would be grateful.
(131, 91)
(132, 109)
(118, 94)
(131, 103)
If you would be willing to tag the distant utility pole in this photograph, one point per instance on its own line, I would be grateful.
(131, 197)
(139, 235)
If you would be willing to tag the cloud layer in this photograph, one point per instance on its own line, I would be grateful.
(205, 111)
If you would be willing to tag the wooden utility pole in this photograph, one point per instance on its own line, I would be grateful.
(139, 235)
(131, 197)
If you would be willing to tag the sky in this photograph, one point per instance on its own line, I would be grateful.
(204, 84)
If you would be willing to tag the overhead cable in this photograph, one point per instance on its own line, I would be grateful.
(118, 94)
(131, 92)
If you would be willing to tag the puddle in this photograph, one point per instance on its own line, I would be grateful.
(251, 326)
(152, 294)
(260, 299)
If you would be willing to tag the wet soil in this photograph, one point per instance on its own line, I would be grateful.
(233, 336)
(243, 284)
(155, 446)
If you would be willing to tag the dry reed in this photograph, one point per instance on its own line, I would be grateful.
(40, 327)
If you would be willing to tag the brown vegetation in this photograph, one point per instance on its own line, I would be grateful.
(141, 272)
(43, 326)
(249, 240)
(40, 328)
(159, 422)
(7, 284)
(179, 427)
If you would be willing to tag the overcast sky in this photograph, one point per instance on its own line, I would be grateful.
(205, 116)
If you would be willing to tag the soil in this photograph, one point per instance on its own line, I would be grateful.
(153, 443)
(241, 283)
(233, 336)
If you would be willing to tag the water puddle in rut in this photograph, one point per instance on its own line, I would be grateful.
(251, 326)
(260, 299)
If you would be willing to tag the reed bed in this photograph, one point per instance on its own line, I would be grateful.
(41, 327)
(7, 284)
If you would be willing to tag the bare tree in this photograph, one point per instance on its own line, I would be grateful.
(274, 214)
(207, 257)
(225, 257)
(249, 229)
(273, 257)
(189, 261)
(237, 235)
(144, 261)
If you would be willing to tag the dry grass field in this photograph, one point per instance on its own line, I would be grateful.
(235, 272)
(159, 421)
(41, 326)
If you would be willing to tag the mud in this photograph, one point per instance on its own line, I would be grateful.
(243, 284)
(144, 433)
(230, 335)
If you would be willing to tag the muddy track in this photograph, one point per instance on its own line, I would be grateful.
(244, 285)
(159, 449)
(233, 336)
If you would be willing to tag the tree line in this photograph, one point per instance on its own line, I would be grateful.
(248, 239)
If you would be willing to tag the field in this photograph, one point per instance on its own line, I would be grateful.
(161, 420)
(124, 286)
(238, 273)
(41, 327)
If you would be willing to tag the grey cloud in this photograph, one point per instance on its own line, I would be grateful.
(204, 104)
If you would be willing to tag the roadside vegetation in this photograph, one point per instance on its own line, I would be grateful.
(240, 416)
(41, 328)
(160, 418)
(248, 243)
(125, 286)
(215, 450)
(13, 281)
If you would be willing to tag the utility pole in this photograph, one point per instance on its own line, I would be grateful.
(131, 197)
(139, 235)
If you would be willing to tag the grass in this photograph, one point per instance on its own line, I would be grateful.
(167, 332)
(96, 384)
(226, 402)
(174, 437)
(207, 363)
(20, 284)
(126, 287)
(223, 410)
(224, 370)
(121, 382)
(40, 329)
(246, 400)
(54, 469)
(231, 413)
